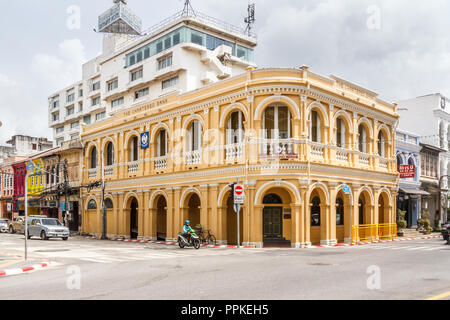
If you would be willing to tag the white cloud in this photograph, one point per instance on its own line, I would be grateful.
(60, 70)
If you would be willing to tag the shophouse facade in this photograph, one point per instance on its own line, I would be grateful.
(316, 156)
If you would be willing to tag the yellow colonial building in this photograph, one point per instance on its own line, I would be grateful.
(315, 154)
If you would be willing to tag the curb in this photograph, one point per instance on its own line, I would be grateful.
(339, 245)
(12, 272)
(396, 240)
(173, 243)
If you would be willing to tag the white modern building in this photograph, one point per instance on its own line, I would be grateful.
(21, 145)
(429, 117)
(183, 53)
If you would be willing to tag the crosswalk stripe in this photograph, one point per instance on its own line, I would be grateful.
(95, 260)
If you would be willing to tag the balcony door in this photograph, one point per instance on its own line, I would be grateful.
(277, 123)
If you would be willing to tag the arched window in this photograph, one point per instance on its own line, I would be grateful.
(161, 148)
(314, 127)
(92, 205)
(339, 212)
(340, 133)
(133, 149)
(381, 145)
(57, 173)
(362, 140)
(109, 204)
(235, 128)
(109, 154)
(272, 199)
(277, 123)
(315, 212)
(399, 161)
(194, 136)
(94, 158)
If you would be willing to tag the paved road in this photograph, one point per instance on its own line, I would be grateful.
(115, 270)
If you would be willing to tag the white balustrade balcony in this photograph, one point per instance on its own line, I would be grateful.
(234, 151)
(193, 157)
(160, 163)
(342, 155)
(133, 167)
(92, 173)
(364, 160)
(279, 149)
(109, 171)
(317, 151)
(383, 163)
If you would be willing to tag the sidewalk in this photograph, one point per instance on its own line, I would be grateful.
(13, 264)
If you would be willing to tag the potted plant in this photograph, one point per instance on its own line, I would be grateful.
(401, 223)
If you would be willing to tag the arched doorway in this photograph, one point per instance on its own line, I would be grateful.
(109, 205)
(193, 214)
(318, 216)
(340, 217)
(277, 225)
(231, 225)
(161, 218)
(134, 231)
(365, 216)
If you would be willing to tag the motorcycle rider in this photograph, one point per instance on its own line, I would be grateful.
(187, 230)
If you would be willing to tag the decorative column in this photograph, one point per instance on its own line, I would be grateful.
(204, 219)
(355, 212)
(121, 218)
(175, 214)
(249, 214)
(332, 214)
(305, 215)
(116, 204)
(146, 215)
(213, 214)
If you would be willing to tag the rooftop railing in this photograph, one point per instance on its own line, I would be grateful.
(179, 16)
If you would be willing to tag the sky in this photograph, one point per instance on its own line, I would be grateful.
(399, 49)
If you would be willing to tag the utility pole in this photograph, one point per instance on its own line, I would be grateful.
(66, 190)
(103, 202)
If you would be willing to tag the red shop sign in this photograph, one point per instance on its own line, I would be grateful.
(408, 171)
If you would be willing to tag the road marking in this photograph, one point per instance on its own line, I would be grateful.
(441, 296)
(401, 248)
(431, 249)
(416, 248)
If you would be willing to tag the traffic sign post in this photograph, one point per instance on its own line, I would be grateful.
(239, 197)
(30, 167)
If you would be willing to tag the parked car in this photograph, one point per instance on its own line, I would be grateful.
(47, 228)
(4, 225)
(17, 225)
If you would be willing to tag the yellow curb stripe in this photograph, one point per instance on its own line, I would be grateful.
(441, 296)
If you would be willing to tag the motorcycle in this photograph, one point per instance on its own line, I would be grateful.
(183, 242)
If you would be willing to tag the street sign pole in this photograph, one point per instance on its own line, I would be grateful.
(238, 223)
(26, 216)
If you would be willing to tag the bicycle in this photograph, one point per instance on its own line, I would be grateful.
(209, 238)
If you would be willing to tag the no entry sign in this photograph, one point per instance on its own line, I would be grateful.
(239, 194)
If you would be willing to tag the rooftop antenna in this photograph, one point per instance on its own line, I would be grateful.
(250, 20)
(188, 10)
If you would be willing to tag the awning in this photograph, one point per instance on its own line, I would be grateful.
(414, 192)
